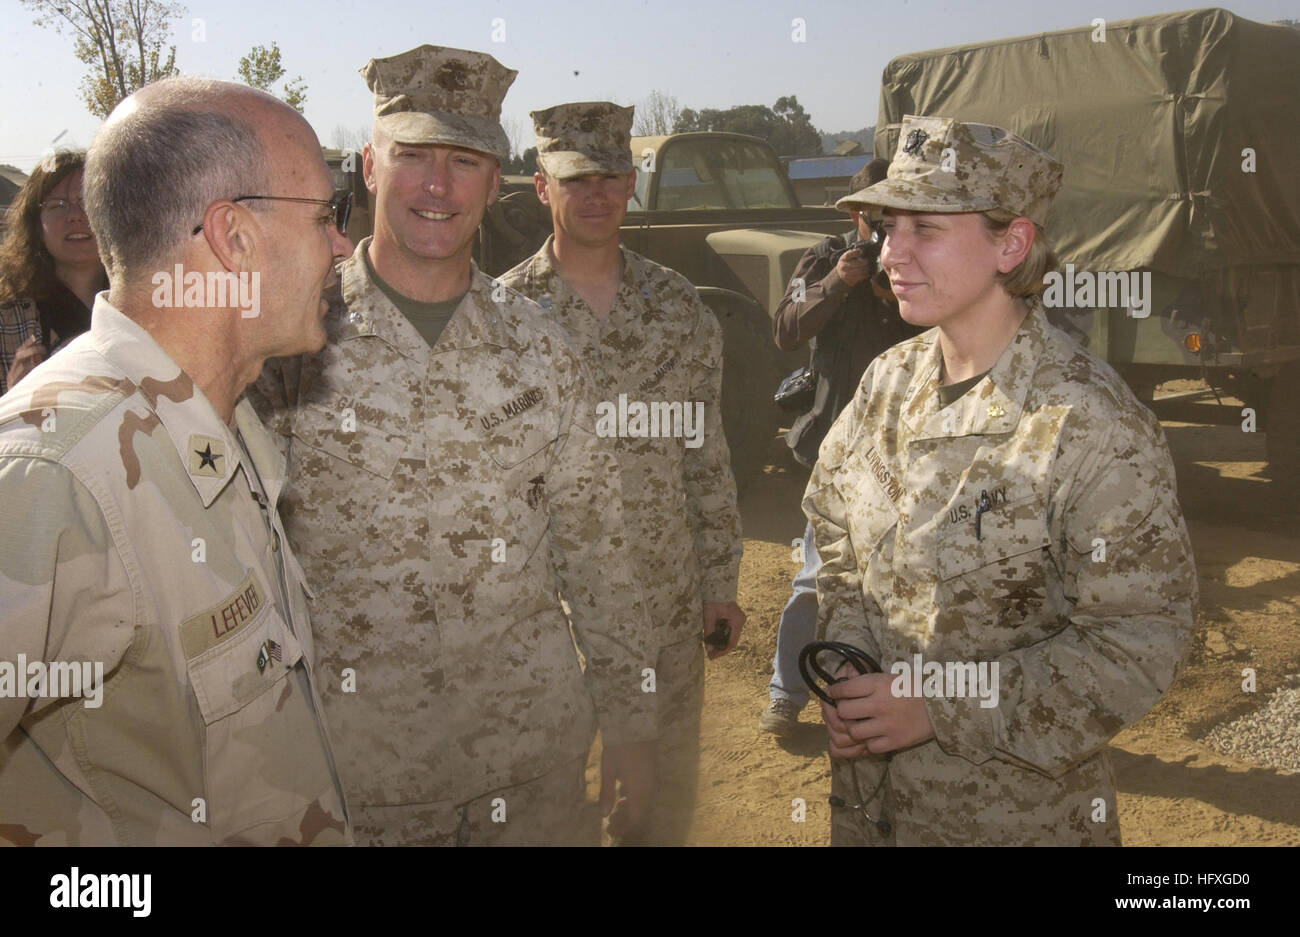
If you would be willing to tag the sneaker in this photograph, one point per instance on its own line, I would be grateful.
(780, 718)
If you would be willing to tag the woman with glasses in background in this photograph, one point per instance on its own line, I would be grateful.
(49, 267)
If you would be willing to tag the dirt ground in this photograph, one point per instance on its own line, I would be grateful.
(1173, 790)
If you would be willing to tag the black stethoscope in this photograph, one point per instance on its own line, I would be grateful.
(864, 663)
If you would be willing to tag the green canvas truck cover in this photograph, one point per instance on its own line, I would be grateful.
(1151, 125)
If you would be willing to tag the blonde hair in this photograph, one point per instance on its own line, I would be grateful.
(1027, 278)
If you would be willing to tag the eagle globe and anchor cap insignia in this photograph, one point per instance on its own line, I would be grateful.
(1000, 170)
(582, 138)
(915, 140)
(439, 95)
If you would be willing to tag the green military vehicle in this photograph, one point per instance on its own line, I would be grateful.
(719, 209)
(345, 171)
(1180, 136)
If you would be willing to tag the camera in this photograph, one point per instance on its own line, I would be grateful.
(869, 249)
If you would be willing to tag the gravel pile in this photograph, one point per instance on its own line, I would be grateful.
(1270, 736)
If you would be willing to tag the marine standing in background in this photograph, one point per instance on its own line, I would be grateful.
(139, 542)
(999, 528)
(647, 339)
(445, 483)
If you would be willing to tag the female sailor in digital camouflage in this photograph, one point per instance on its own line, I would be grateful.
(998, 525)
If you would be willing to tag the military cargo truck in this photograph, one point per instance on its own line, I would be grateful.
(719, 209)
(1180, 136)
(345, 173)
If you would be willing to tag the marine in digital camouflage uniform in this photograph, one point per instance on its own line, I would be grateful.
(655, 341)
(444, 487)
(1032, 522)
(131, 537)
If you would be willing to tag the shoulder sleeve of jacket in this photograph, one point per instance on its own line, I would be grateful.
(1125, 559)
(813, 294)
(711, 500)
(516, 278)
(589, 554)
(63, 586)
(843, 613)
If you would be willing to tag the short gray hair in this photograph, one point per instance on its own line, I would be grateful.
(151, 173)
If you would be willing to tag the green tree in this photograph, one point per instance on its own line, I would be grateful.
(261, 69)
(786, 126)
(754, 119)
(525, 164)
(804, 139)
(121, 40)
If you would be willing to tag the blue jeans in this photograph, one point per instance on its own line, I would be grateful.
(798, 628)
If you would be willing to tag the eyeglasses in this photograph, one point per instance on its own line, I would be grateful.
(340, 206)
(58, 207)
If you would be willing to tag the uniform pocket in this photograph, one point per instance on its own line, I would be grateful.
(240, 686)
(516, 507)
(511, 448)
(365, 447)
(1005, 532)
(516, 429)
(998, 574)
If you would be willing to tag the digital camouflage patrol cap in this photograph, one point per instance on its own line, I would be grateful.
(587, 137)
(433, 94)
(944, 165)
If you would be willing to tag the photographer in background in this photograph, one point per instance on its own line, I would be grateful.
(838, 301)
(49, 267)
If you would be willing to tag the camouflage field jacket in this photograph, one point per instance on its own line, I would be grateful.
(1032, 524)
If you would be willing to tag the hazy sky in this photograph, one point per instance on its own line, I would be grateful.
(706, 54)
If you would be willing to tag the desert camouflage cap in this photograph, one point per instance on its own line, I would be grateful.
(945, 165)
(577, 139)
(432, 94)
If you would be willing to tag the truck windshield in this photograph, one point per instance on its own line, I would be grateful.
(713, 173)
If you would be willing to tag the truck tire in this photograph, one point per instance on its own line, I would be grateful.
(750, 376)
(1282, 436)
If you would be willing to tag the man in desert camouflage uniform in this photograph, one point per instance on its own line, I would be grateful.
(646, 338)
(446, 481)
(137, 532)
(993, 495)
